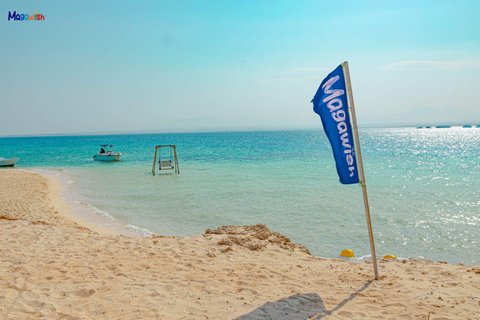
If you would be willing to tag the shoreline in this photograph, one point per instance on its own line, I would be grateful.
(86, 215)
(54, 268)
(83, 214)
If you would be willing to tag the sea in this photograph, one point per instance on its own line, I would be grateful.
(422, 184)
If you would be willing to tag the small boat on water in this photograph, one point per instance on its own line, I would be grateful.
(7, 162)
(108, 155)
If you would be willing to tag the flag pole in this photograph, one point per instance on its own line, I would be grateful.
(360, 168)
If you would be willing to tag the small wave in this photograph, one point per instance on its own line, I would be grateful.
(144, 232)
(99, 212)
(367, 257)
(71, 182)
(50, 170)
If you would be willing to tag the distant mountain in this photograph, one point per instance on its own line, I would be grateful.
(222, 124)
(415, 117)
(424, 117)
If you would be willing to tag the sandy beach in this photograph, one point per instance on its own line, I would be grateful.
(57, 266)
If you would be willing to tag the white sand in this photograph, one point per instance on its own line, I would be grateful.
(54, 266)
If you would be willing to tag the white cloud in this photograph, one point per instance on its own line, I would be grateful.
(431, 65)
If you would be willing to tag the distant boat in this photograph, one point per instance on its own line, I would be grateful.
(7, 162)
(445, 126)
(467, 126)
(108, 155)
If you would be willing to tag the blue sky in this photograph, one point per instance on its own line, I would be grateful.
(96, 66)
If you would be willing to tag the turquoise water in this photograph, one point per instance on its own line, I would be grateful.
(423, 186)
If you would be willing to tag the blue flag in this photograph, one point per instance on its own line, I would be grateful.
(330, 102)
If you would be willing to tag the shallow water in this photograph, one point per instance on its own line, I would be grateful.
(423, 186)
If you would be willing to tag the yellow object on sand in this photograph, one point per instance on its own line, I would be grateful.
(347, 253)
(389, 256)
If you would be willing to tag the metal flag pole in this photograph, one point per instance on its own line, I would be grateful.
(360, 168)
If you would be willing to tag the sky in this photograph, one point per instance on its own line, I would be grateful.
(117, 66)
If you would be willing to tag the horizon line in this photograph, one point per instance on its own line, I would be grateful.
(221, 129)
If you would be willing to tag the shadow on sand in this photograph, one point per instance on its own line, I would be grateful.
(299, 306)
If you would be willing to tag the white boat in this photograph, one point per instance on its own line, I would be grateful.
(7, 162)
(108, 155)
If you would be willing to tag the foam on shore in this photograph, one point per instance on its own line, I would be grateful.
(85, 214)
